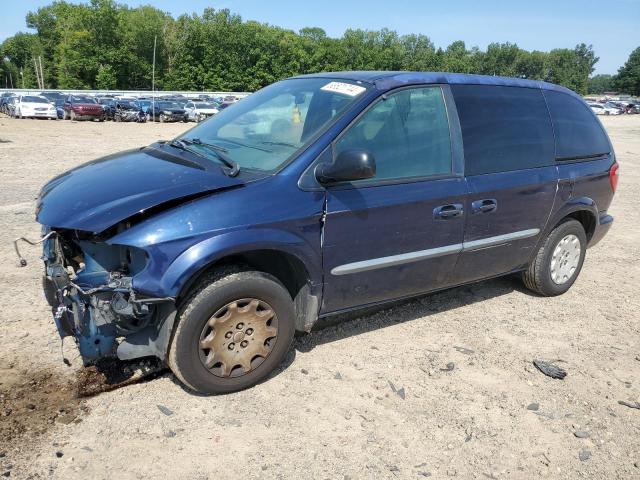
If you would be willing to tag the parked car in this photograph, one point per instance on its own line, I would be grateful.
(165, 111)
(10, 105)
(199, 111)
(211, 250)
(108, 106)
(4, 100)
(32, 106)
(129, 111)
(59, 103)
(83, 107)
(144, 104)
(613, 108)
(602, 109)
(53, 96)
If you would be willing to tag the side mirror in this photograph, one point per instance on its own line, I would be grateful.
(350, 165)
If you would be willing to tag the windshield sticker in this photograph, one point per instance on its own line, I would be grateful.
(343, 88)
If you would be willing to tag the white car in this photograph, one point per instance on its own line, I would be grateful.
(198, 111)
(32, 106)
(600, 109)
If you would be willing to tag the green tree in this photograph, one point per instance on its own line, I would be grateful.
(106, 78)
(628, 78)
(600, 84)
(103, 43)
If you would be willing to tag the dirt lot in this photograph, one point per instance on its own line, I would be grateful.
(369, 398)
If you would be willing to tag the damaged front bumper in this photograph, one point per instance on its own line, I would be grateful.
(89, 285)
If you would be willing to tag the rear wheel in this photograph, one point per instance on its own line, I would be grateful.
(234, 330)
(559, 260)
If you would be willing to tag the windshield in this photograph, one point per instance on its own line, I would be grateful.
(168, 105)
(34, 100)
(268, 127)
(81, 99)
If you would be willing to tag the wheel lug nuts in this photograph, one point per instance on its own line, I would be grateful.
(249, 331)
(231, 345)
(244, 344)
(240, 326)
(227, 335)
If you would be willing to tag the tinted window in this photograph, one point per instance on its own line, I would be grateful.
(503, 128)
(407, 133)
(578, 133)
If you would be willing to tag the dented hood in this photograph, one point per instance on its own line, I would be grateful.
(99, 194)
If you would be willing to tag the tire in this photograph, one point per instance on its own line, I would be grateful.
(546, 278)
(249, 291)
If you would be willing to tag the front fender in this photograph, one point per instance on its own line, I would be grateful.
(202, 254)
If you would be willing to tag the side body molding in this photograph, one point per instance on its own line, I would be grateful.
(409, 257)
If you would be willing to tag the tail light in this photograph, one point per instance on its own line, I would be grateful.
(613, 176)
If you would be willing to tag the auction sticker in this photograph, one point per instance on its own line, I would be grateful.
(343, 88)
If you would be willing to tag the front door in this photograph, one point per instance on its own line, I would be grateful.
(400, 233)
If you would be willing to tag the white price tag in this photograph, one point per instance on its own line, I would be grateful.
(343, 88)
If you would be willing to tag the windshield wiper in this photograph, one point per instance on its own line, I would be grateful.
(284, 144)
(247, 145)
(218, 151)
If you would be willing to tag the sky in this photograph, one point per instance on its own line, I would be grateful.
(611, 26)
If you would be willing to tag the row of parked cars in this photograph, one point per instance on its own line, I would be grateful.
(57, 105)
(611, 107)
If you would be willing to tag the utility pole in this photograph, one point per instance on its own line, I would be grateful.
(41, 72)
(35, 65)
(22, 77)
(11, 79)
(153, 79)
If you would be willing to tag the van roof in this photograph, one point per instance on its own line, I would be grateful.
(388, 80)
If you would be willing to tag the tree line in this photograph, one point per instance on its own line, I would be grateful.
(106, 45)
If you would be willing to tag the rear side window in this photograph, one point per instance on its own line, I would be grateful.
(407, 133)
(578, 133)
(503, 128)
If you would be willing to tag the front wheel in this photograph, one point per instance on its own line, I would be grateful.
(233, 331)
(558, 261)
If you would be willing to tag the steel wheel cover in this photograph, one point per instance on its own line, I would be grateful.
(565, 259)
(238, 337)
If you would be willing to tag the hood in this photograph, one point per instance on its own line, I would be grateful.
(99, 194)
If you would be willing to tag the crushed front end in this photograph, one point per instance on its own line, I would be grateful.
(88, 284)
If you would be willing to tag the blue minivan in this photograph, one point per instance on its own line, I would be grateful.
(319, 195)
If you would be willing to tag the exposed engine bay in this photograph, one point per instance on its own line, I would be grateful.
(88, 284)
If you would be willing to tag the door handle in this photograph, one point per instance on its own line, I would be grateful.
(445, 212)
(484, 206)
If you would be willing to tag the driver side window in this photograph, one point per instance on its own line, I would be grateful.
(407, 132)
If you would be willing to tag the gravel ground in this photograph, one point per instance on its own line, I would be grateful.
(441, 386)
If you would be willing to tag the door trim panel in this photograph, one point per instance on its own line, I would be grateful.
(410, 257)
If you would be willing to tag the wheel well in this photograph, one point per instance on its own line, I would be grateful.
(587, 219)
(285, 267)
